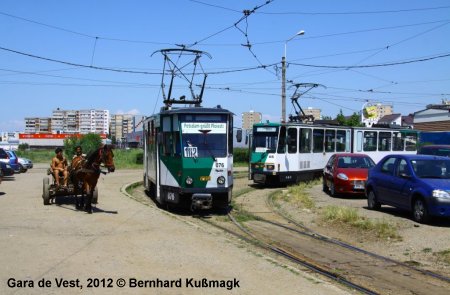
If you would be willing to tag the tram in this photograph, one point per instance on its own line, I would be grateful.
(188, 158)
(295, 151)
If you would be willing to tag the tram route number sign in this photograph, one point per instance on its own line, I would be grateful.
(190, 152)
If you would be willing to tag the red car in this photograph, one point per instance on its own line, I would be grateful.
(346, 173)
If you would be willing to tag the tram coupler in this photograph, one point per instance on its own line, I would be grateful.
(201, 201)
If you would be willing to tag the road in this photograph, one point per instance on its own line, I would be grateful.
(58, 250)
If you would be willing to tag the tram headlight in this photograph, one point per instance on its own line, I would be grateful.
(270, 166)
(189, 180)
(342, 176)
(221, 180)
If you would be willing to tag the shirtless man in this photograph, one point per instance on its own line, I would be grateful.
(59, 166)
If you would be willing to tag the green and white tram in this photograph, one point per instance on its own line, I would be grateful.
(188, 157)
(188, 150)
(292, 152)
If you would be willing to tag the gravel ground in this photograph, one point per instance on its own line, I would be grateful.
(419, 243)
(126, 239)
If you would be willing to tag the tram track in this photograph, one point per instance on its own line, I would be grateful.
(373, 272)
(361, 270)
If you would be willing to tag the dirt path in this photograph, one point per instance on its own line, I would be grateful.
(127, 239)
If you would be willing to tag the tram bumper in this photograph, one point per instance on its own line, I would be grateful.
(201, 201)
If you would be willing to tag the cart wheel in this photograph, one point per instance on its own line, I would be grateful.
(46, 191)
(95, 196)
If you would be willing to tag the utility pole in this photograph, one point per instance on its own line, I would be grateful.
(283, 89)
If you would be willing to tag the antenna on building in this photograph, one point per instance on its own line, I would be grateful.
(176, 70)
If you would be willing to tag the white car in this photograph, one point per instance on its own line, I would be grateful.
(25, 164)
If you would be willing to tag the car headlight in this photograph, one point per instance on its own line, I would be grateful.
(437, 193)
(221, 180)
(342, 176)
(189, 180)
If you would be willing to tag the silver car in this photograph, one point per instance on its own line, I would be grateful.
(25, 164)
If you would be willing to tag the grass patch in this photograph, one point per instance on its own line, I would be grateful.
(444, 255)
(298, 196)
(123, 159)
(350, 217)
(427, 250)
(132, 187)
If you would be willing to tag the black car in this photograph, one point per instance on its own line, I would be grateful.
(6, 169)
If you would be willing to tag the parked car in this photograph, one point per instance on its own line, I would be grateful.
(6, 169)
(25, 164)
(346, 173)
(436, 150)
(14, 161)
(417, 183)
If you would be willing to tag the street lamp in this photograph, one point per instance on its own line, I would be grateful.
(283, 77)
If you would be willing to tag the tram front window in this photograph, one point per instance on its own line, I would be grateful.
(204, 145)
(265, 141)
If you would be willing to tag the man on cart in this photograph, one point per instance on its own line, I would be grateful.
(59, 167)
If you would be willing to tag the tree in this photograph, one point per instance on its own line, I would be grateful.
(89, 143)
(352, 121)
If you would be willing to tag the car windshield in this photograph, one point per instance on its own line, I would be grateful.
(432, 168)
(355, 162)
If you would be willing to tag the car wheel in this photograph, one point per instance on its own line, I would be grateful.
(420, 212)
(324, 185)
(372, 202)
(22, 169)
(332, 190)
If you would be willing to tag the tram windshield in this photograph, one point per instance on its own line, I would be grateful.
(265, 139)
(204, 139)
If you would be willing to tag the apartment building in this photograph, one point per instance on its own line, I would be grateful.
(38, 125)
(250, 118)
(121, 125)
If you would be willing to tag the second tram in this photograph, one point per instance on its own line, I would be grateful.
(292, 152)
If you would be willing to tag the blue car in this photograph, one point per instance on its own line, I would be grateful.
(417, 183)
(14, 161)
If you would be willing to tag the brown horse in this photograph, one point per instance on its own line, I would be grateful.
(85, 174)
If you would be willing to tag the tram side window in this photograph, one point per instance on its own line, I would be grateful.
(330, 140)
(292, 140)
(370, 141)
(318, 136)
(411, 142)
(167, 143)
(340, 140)
(305, 140)
(384, 142)
(397, 141)
(282, 141)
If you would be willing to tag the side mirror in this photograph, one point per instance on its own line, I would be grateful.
(239, 135)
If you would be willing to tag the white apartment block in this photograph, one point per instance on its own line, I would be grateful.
(38, 125)
(93, 121)
(70, 122)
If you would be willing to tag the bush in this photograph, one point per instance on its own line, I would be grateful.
(240, 155)
(23, 146)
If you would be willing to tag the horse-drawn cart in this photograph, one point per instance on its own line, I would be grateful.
(82, 181)
(51, 191)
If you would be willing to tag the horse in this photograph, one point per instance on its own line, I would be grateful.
(85, 174)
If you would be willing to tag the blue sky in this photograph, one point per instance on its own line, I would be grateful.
(343, 42)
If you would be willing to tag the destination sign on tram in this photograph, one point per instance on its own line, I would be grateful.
(202, 127)
(266, 129)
